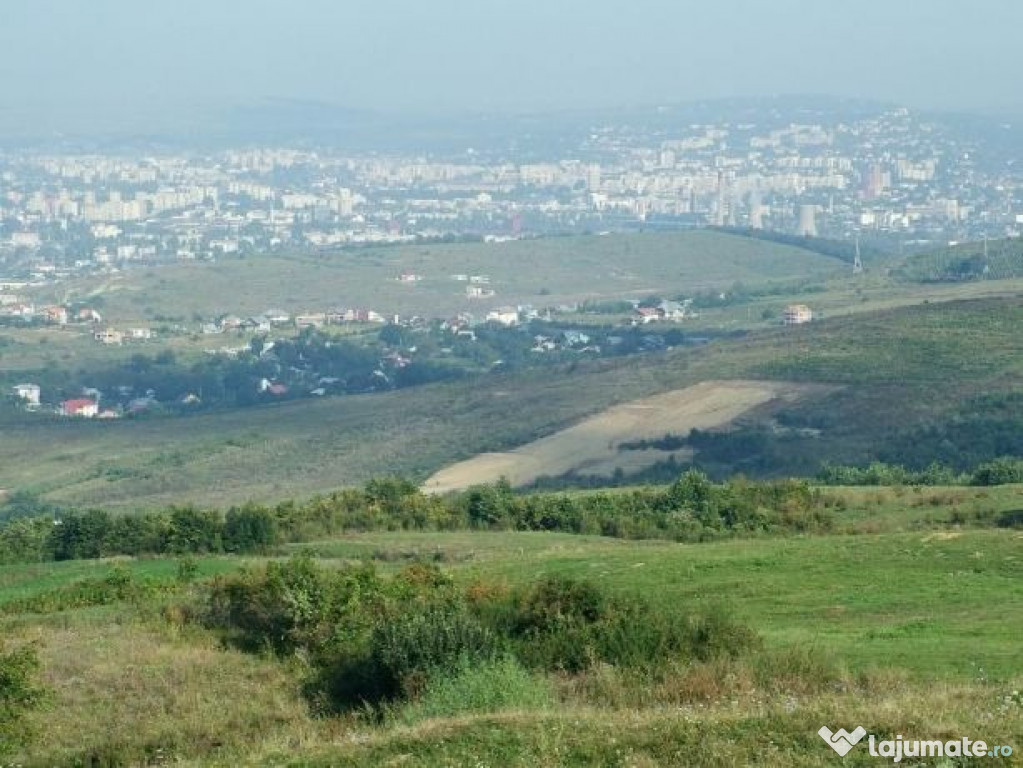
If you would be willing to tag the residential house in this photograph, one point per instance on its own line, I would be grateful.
(55, 315)
(20, 309)
(797, 314)
(257, 323)
(646, 315)
(80, 407)
(29, 394)
(277, 316)
(543, 344)
(506, 316)
(311, 320)
(273, 388)
(674, 310)
(88, 315)
(109, 336)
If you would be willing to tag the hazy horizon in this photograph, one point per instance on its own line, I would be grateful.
(71, 67)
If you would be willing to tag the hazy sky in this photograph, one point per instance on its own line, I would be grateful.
(130, 58)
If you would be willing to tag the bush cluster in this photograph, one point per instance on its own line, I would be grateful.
(371, 639)
(692, 509)
(20, 692)
(1001, 471)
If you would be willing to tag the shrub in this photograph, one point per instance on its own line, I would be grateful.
(477, 687)
(1012, 518)
(570, 625)
(295, 605)
(999, 472)
(405, 652)
(19, 693)
(555, 602)
(249, 529)
(716, 634)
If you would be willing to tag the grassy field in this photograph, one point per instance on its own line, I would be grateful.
(539, 272)
(917, 601)
(901, 371)
(901, 630)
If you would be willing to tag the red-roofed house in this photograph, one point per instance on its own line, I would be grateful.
(82, 408)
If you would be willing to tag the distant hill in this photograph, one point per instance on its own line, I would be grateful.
(543, 272)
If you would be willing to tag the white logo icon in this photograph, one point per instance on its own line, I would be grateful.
(841, 740)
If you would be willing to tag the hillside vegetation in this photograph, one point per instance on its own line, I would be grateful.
(487, 646)
(933, 382)
(995, 260)
(541, 272)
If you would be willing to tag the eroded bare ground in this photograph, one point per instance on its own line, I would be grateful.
(592, 446)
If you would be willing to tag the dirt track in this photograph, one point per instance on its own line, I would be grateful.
(591, 446)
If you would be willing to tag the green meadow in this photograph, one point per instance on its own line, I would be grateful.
(911, 630)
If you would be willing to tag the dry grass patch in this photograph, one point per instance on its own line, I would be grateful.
(129, 694)
(593, 445)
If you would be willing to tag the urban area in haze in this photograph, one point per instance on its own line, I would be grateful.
(508, 384)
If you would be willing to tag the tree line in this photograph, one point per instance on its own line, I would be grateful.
(691, 509)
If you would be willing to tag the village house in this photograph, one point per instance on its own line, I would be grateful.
(543, 344)
(29, 394)
(272, 388)
(311, 320)
(80, 408)
(797, 314)
(671, 311)
(646, 315)
(18, 309)
(277, 316)
(256, 323)
(55, 315)
(506, 316)
(87, 315)
(109, 336)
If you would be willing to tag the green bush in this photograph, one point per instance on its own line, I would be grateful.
(999, 472)
(19, 693)
(249, 529)
(555, 601)
(716, 634)
(406, 651)
(477, 687)
(295, 605)
(370, 640)
(570, 625)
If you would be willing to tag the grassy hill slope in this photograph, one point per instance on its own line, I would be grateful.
(905, 375)
(1003, 259)
(540, 272)
(911, 633)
